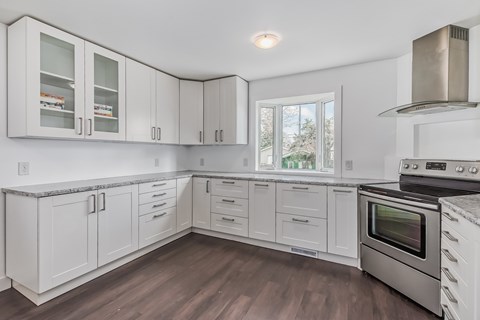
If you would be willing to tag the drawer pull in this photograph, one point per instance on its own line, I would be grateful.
(261, 185)
(448, 314)
(449, 294)
(159, 195)
(158, 185)
(449, 275)
(342, 191)
(229, 201)
(449, 217)
(159, 205)
(300, 188)
(449, 255)
(228, 182)
(449, 236)
(299, 220)
(159, 215)
(228, 219)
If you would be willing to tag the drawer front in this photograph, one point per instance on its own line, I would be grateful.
(449, 277)
(156, 226)
(228, 224)
(457, 241)
(303, 200)
(157, 196)
(458, 307)
(449, 311)
(305, 232)
(455, 261)
(456, 222)
(230, 206)
(156, 206)
(157, 185)
(230, 188)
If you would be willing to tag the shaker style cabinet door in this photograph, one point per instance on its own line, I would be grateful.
(233, 111)
(67, 238)
(184, 203)
(46, 96)
(211, 111)
(191, 112)
(201, 203)
(261, 213)
(141, 102)
(104, 94)
(168, 108)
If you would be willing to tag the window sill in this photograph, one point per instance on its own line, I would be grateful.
(299, 173)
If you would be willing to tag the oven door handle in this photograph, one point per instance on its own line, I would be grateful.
(398, 200)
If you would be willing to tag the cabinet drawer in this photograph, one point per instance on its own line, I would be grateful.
(458, 307)
(157, 185)
(228, 224)
(230, 206)
(230, 188)
(157, 196)
(456, 222)
(303, 200)
(457, 242)
(156, 226)
(448, 309)
(457, 285)
(456, 262)
(156, 206)
(305, 232)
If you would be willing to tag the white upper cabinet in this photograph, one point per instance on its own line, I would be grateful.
(45, 82)
(168, 107)
(141, 102)
(226, 111)
(104, 94)
(191, 112)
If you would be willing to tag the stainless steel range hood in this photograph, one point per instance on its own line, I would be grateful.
(439, 74)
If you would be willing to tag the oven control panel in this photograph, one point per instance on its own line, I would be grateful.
(454, 169)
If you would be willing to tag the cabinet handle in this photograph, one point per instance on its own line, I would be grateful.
(90, 127)
(228, 182)
(104, 196)
(159, 205)
(159, 195)
(229, 201)
(261, 185)
(449, 236)
(158, 185)
(300, 188)
(207, 186)
(94, 204)
(216, 135)
(342, 191)
(449, 217)
(449, 294)
(153, 134)
(449, 275)
(221, 135)
(80, 127)
(448, 314)
(200, 136)
(159, 134)
(449, 255)
(159, 215)
(228, 219)
(300, 220)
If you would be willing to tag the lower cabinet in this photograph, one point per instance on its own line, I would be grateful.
(301, 231)
(201, 203)
(229, 224)
(184, 203)
(261, 213)
(156, 226)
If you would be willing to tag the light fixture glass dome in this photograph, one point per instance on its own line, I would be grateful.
(266, 40)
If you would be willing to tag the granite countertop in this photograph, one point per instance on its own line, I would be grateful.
(466, 206)
(53, 189)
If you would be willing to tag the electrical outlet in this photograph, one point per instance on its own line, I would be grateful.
(202, 162)
(245, 162)
(349, 165)
(157, 162)
(23, 168)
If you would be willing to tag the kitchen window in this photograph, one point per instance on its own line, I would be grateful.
(295, 135)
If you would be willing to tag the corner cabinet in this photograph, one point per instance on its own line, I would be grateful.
(168, 105)
(226, 111)
(191, 112)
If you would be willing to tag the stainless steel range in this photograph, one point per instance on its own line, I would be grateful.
(401, 225)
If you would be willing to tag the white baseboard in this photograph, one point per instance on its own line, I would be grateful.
(5, 283)
(352, 262)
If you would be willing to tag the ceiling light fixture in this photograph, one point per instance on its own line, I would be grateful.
(266, 40)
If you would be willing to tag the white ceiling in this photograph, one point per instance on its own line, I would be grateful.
(203, 39)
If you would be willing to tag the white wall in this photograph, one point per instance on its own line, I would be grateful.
(368, 89)
(52, 160)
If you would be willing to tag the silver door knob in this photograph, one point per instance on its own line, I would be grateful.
(459, 169)
(473, 170)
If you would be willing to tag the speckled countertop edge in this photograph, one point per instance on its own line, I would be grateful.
(466, 206)
(59, 188)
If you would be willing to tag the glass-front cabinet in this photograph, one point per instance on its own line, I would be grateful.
(105, 94)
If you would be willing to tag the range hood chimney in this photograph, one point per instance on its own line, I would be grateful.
(439, 74)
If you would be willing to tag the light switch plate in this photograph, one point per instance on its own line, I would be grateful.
(202, 162)
(349, 165)
(157, 162)
(23, 168)
(245, 162)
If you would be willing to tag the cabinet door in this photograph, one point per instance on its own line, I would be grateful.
(52, 63)
(342, 221)
(104, 94)
(233, 111)
(117, 223)
(141, 102)
(201, 203)
(184, 203)
(67, 238)
(211, 111)
(191, 112)
(168, 106)
(261, 213)
(304, 232)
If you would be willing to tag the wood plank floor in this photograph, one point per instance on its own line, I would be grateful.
(199, 277)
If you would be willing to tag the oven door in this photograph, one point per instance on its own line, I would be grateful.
(405, 230)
